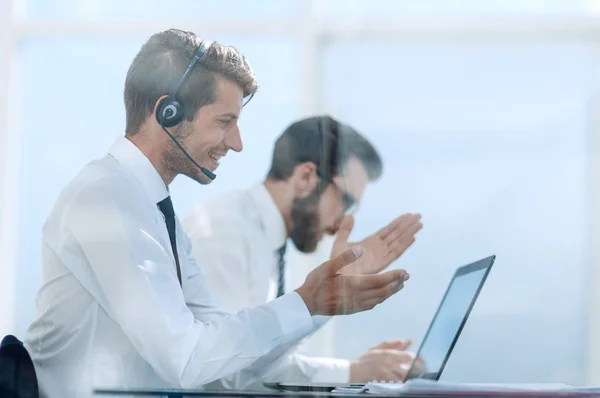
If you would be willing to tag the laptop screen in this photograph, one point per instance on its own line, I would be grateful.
(449, 320)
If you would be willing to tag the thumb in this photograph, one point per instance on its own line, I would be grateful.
(347, 257)
(345, 228)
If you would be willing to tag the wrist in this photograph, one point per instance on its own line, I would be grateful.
(352, 377)
(306, 297)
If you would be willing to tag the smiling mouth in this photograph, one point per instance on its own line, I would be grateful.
(214, 157)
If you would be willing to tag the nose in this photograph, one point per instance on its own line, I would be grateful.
(336, 224)
(233, 139)
(333, 229)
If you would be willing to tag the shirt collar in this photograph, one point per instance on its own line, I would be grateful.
(269, 215)
(129, 155)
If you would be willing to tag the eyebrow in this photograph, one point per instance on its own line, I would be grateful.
(229, 115)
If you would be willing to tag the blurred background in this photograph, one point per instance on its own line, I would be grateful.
(485, 111)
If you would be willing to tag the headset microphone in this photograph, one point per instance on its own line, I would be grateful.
(170, 111)
(204, 170)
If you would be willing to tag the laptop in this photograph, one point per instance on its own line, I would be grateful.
(441, 336)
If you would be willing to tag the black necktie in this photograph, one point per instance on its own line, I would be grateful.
(281, 269)
(166, 207)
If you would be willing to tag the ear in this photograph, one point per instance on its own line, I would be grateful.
(304, 179)
(158, 101)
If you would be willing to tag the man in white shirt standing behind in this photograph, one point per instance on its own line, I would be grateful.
(320, 169)
(123, 304)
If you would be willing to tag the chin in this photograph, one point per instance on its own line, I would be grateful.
(199, 177)
(306, 247)
(203, 179)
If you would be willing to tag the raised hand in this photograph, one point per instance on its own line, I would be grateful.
(382, 247)
(326, 291)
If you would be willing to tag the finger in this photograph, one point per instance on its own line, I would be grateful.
(388, 229)
(345, 228)
(375, 281)
(398, 362)
(383, 293)
(399, 223)
(396, 358)
(347, 257)
(407, 229)
(391, 375)
(398, 344)
(406, 357)
(365, 295)
(398, 247)
(367, 305)
(399, 373)
(419, 365)
(401, 370)
(410, 231)
(407, 344)
(402, 234)
(370, 299)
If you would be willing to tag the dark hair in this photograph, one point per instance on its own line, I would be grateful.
(161, 62)
(303, 141)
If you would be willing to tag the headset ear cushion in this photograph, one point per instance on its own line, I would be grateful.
(169, 113)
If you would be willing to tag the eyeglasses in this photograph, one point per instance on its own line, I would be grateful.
(247, 99)
(329, 136)
(350, 202)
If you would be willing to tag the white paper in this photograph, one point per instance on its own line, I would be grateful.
(417, 385)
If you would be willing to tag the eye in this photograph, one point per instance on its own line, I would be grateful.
(225, 122)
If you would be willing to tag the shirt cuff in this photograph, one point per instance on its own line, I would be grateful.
(332, 371)
(320, 320)
(294, 318)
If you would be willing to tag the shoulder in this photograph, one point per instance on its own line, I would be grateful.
(228, 215)
(102, 186)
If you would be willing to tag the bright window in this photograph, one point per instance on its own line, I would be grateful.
(157, 9)
(490, 142)
(409, 9)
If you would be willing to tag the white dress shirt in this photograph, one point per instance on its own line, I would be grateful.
(237, 236)
(111, 311)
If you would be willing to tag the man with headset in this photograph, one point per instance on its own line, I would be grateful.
(122, 302)
(319, 171)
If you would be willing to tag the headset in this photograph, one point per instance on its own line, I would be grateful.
(170, 111)
(328, 129)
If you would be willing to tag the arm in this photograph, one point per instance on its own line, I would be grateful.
(221, 263)
(301, 368)
(286, 366)
(389, 361)
(120, 238)
(229, 247)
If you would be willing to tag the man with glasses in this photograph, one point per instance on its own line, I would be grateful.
(320, 169)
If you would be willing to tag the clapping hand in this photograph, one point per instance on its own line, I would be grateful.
(382, 248)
